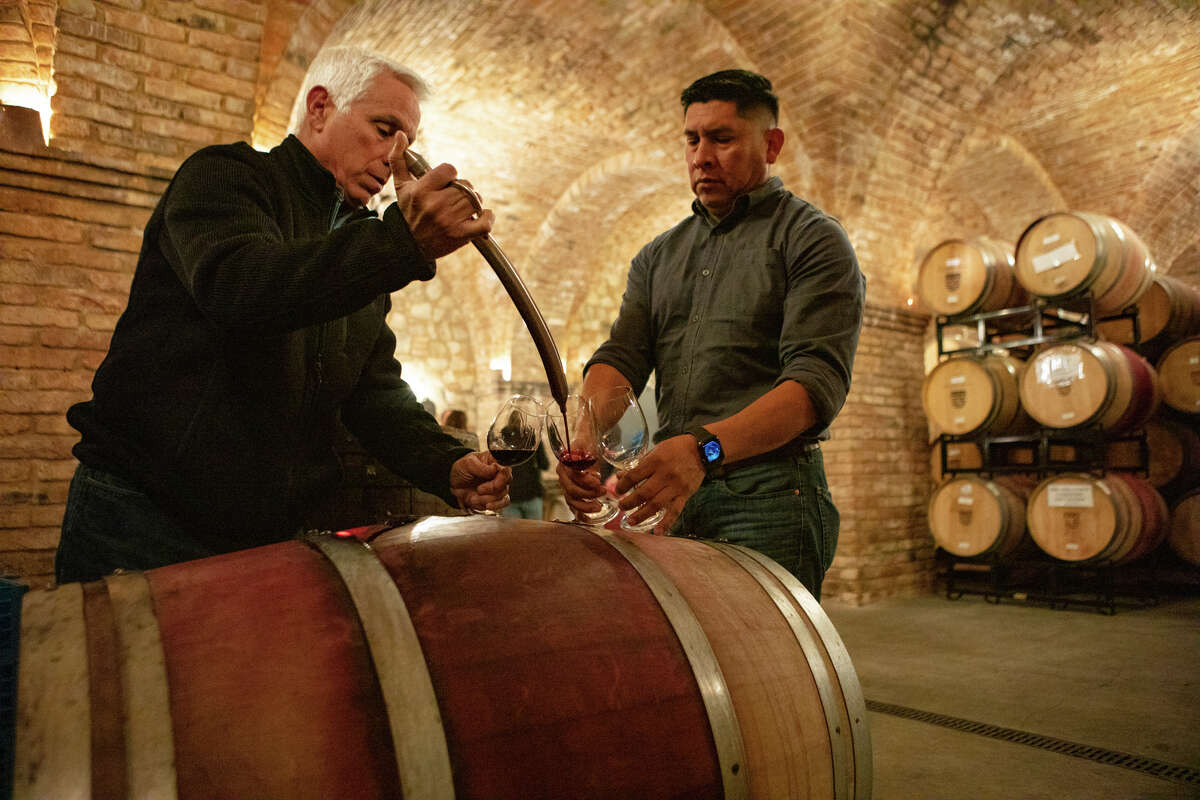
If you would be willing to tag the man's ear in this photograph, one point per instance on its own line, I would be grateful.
(319, 107)
(774, 138)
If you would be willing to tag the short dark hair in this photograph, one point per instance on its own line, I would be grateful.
(747, 90)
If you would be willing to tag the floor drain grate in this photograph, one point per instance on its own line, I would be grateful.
(1150, 766)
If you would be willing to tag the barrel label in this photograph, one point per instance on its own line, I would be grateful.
(1055, 258)
(966, 501)
(1051, 239)
(1069, 495)
(953, 262)
(1059, 368)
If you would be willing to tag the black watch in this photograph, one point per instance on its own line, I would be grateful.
(712, 455)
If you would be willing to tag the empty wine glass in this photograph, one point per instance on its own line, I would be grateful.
(574, 440)
(624, 439)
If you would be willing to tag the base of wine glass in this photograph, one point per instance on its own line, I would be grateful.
(645, 525)
(607, 513)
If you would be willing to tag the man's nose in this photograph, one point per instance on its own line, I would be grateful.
(702, 154)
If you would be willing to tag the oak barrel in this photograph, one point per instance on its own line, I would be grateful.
(1066, 254)
(1088, 519)
(1184, 537)
(469, 657)
(1179, 373)
(972, 516)
(967, 276)
(1167, 312)
(1082, 383)
(974, 394)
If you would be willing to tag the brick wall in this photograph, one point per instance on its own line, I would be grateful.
(911, 122)
(69, 237)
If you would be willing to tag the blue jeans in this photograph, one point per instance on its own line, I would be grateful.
(780, 508)
(525, 509)
(111, 524)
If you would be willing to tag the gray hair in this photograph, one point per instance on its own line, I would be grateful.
(346, 72)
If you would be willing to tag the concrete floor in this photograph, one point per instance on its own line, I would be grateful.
(1128, 683)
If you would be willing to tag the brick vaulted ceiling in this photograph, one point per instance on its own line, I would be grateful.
(910, 121)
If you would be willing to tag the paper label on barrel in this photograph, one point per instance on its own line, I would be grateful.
(1055, 258)
(951, 298)
(953, 262)
(958, 379)
(1069, 495)
(963, 545)
(1051, 239)
(1194, 360)
(1059, 369)
(966, 501)
(1072, 546)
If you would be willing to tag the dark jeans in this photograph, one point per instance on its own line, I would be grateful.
(781, 508)
(110, 524)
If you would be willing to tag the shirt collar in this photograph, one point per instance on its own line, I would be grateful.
(741, 205)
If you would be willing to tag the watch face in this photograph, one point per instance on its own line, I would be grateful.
(712, 451)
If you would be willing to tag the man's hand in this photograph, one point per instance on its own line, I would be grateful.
(580, 489)
(668, 475)
(480, 483)
(442, 217)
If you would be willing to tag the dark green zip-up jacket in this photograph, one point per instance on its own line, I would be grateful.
(257, 318)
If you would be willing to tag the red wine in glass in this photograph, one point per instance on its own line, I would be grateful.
(512, 456)
(576, 459)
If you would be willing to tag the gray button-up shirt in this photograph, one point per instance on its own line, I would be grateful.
(723, 311)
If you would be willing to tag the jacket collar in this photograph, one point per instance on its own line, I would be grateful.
(312, 179)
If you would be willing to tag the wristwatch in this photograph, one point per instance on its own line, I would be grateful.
(711, 453)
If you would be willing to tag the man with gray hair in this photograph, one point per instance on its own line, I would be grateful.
(256, 323)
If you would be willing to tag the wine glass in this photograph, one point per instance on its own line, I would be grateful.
(624, 439)
(574, 440)
(514, 433)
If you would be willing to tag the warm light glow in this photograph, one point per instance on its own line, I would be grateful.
(910, 301)
(502, 362)
(29, 97)
(422, 385)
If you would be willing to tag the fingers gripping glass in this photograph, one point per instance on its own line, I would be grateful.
(513, 435)
(624, 440)
(575, 441)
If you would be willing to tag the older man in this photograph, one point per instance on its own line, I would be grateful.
(256, 322)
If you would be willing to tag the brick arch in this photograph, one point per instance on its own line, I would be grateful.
(1056, 82)
(583, 248)
(292, 36)
(1167, 215)
(28, 52)
(991, 186)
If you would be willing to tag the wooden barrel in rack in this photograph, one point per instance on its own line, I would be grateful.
(1179, 373)
(974, 394)
(454, 657)
(967, 276)
(1083, 383)
(1086, 519)
(973, 517)
(1184, 537)
(1172, 458)
(1168, 312)
(1066, 254)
